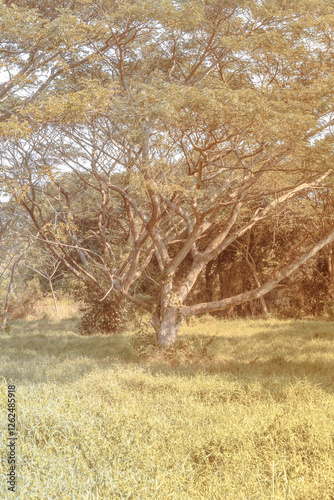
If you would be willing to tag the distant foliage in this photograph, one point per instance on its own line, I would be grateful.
(27, 295)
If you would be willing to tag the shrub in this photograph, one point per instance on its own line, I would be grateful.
(108, 316)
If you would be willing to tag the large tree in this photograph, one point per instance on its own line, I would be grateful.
(187, 122)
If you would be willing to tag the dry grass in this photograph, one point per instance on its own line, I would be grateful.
(45, 308)
(251, 419)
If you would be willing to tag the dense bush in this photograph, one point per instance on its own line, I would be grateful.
(106, 316)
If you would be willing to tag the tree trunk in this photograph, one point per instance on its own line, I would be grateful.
(167, 327)
(5, 309)
(330, 267)
(209, 279)
(53, 296)
(251, 264)
(9, 289)
(167, 320)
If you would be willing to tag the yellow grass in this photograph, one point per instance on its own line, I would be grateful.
(44, 308)
(252, 419)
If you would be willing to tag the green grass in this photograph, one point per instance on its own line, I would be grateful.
(253, 418)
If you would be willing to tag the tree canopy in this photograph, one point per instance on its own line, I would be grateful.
(178, 126)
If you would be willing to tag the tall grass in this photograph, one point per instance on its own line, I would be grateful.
(248, 415)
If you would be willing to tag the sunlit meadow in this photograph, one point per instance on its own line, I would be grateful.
(243, 409)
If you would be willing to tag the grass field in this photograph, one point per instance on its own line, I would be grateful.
(251, 418)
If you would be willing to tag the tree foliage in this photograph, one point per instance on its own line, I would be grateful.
(191, 122)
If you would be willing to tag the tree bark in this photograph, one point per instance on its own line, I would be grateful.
(330, 268)
(167, 319)
(209, 279)
(53, 296)
(167, 327)
(9, 289)
(251, 264)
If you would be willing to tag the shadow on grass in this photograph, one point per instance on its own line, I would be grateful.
(297, 350)
(276, 368)
(43, 326)
(60, 339)
(40, 350)
(293, 351)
